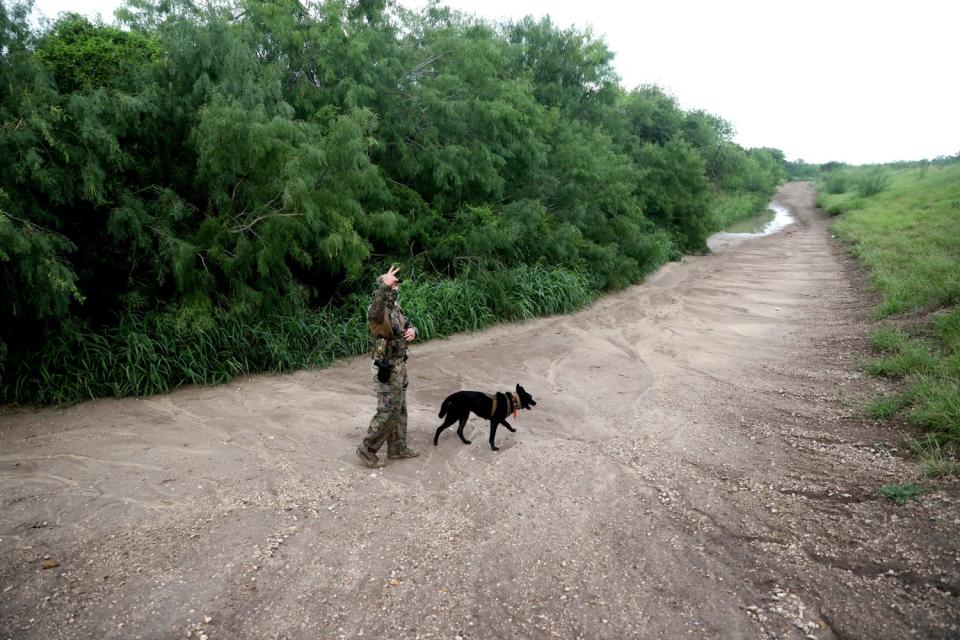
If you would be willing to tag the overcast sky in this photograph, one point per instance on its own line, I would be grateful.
(851, 80)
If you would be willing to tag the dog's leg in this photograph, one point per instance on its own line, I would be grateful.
(493, 434)
(507, 425)
(446, 423)
(463, 423)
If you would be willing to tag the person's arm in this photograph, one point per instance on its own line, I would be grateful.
(378, 308)
(377, 318)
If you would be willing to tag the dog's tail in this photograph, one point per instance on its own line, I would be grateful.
(443, 407)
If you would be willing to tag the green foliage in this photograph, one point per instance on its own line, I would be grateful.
(836, 182)
(675, 191)
(569, 69)
(901, 493)
(146, 353)
(39, 282)
(82, 55)
(725, 209)
(801, 170)
(872, 182)
(843, 206)
(207, 190)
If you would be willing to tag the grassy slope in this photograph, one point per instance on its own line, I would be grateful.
(908, 236)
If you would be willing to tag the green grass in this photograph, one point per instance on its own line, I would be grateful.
(935, 459)
(156, 352)
(901, 355)
(907, 234)
(884, 407)
(840, 203)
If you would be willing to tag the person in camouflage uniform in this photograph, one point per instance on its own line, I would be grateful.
(391, 332)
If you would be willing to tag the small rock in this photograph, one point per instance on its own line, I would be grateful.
(207, 619)
(49, 563)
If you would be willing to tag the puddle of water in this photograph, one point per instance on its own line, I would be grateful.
(752, 224)
(775, 218)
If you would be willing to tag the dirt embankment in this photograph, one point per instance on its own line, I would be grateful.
(695, 467)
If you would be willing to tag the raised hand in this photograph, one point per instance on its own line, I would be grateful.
(390, 277)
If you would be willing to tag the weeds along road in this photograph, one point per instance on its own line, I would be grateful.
(695, 467)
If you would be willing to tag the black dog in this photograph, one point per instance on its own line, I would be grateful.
(495, 408)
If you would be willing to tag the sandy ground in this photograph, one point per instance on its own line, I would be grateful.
(696, 467)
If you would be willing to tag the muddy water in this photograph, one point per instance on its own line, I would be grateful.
(775, 218)
(754, 224)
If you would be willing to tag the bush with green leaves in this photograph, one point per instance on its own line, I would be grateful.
(836, 182)
(902, 493)
(208, 188)
(872, 181)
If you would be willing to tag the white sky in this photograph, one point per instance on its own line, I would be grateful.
(852, 80)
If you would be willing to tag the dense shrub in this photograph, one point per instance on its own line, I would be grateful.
(207, 190)
(872, 182)
(836, 182)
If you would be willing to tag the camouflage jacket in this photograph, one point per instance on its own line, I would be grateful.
(387, 324)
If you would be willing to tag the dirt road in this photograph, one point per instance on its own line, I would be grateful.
(695, 467)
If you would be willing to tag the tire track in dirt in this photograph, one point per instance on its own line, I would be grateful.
(695, 467)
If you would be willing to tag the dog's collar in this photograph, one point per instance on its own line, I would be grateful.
(513, 403)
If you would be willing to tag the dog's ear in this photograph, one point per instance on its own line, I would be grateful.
(519, 388)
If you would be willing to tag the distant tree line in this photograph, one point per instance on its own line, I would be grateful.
(176, 191)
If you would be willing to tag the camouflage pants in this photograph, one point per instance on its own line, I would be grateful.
(389, 423)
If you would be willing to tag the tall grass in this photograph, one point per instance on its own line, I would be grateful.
(908, 236)
(155, 352)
